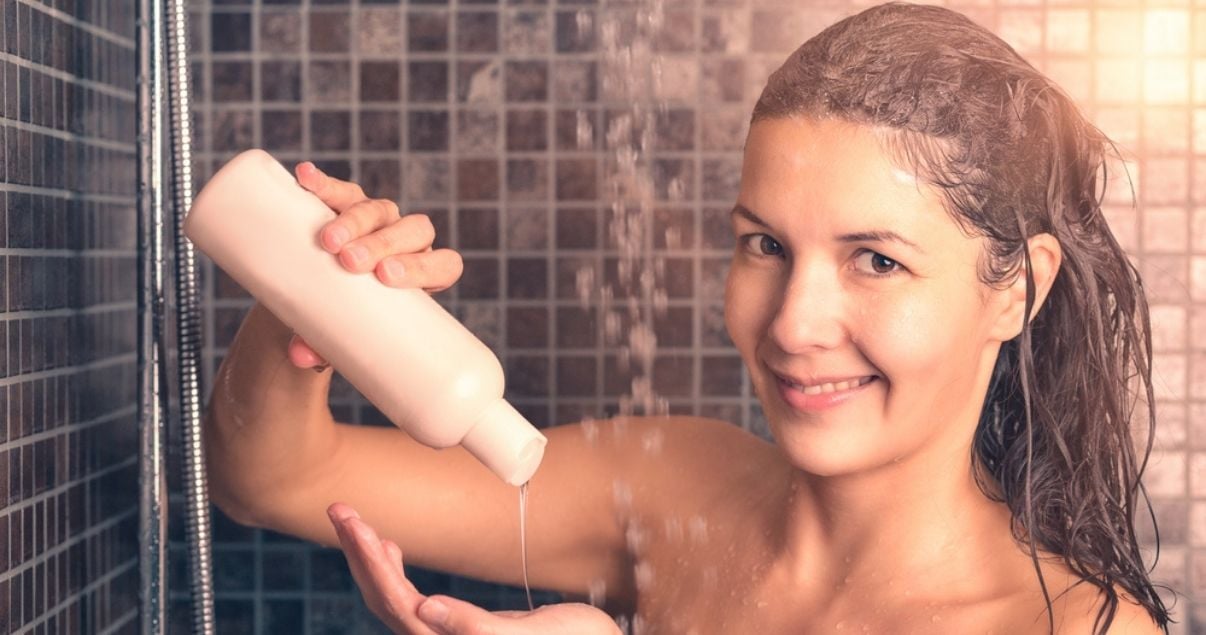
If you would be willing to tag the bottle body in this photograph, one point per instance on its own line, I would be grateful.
(408, 356)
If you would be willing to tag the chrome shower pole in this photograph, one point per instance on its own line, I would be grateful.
(188, 322)
(152, 384)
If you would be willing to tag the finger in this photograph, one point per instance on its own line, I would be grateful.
(410, 234)
(360, 219)
(394, 552)
(386, 591)
(431, 271)
(339, 195)
(303, 356)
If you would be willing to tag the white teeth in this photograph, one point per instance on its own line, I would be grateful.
(826, 388)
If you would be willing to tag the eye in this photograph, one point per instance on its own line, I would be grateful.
(880, 265)
(762, 245)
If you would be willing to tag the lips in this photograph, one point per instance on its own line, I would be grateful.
(816, 393)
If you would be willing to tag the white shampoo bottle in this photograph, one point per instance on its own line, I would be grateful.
(407, 355)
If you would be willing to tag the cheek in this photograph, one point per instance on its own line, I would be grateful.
(919, 336)
(747, 310)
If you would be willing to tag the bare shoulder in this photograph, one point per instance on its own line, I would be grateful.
(1077, 613)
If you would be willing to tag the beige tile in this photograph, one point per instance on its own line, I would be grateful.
(1023, 29)
(1166, 81)
(1068, 30)
(1119, 32)
(1168, 327)
(1124, 223)
(1197, 278)
(1118, 80)
(1164, 228)
(1197, 375)
(1165, 476)
(1166, 32)
(1197, 524)
(1169, 376)
(1197, 226)
(1166, 130)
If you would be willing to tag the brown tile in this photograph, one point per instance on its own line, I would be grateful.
(233, 131)
(716, 230)
(527, 228)
(577, 129)
(722, 79)
(675, 327)
(281, 129)
(720, 375)
(427, 81)
(477, 179)
(577, 327)
(380, 178)
(673, 228)
(477, 228)
(477, 31)
(577, 228)
(380, 81)
(527, 278)
(576, 376)
(427, 178)
(617, 378)
(379, 31)
(673, 179)
(673, 375)
(329, 32)
(567, 271)
(527, 179)
(477, 132)
(576, 179)
(575, 31)
(527, 376)
(575, 81)
(675, 129)
(427, 31)
(479, 280)
(280, 81)
(721, 178)
(232, 81)
(526, 33)
(380, 130)
(479, 81)
(526, 81)
(527, 130)
(677, 34)
(427, 130)
(527, 327)
(330, 130)
(329, 81)
(280, 31)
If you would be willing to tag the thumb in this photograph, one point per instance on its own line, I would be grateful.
(450, 616)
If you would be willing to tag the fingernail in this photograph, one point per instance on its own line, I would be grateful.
(357, 253)
(395, 269)
(339, 236)
(433, 613)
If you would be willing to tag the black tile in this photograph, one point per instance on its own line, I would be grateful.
(477, 31)
(427, 31)
(230, 31)
(427, 130)
(379, 81)
(427, 81)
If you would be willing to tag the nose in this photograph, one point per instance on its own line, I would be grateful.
(810, 314)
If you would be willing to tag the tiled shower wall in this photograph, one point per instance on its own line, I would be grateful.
(68, 375)
(471, 112)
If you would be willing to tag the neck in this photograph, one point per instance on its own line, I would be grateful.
(919, 522)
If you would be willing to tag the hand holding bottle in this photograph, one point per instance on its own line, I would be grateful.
(369, 235)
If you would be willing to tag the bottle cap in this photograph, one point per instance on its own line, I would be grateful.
(504, 441)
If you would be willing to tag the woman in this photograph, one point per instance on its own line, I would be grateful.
(940, 328)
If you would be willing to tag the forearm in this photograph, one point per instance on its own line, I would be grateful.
(268, 427)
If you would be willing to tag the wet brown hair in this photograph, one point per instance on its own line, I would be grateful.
(1014, 157)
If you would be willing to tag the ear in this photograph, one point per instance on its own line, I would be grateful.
(1045, 258)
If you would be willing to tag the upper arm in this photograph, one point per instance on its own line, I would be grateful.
(1130, 617)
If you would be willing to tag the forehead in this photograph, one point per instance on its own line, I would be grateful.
(803, 166)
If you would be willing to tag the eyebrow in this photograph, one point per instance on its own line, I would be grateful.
(871, 235)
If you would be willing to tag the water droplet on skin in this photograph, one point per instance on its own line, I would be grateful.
(597, 592)
(839, 626)
(643, 574)
(697, 528)
(761, 604)
(935, 618)
(621, 494)
(674, 529)
(651, 442)
(636, 537)
(590, 430)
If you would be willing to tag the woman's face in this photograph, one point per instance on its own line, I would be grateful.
(847, 270)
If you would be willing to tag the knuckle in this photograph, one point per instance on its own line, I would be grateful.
(422, 225)
(387, 208)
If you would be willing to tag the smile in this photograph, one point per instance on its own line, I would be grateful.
(821, 396)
